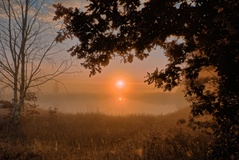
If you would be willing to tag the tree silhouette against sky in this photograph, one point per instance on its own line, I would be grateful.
(200, 39)
(25, 51)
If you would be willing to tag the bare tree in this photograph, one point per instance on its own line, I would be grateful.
(26, 50)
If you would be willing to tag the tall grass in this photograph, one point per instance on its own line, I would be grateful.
(97, 136)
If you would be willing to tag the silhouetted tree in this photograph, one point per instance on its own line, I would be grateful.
(200, 38)
(25, 48)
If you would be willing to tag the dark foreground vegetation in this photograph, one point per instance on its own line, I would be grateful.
(96, 136)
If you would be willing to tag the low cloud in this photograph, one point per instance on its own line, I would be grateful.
(71, 3)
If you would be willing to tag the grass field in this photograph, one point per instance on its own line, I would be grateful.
(97, 136)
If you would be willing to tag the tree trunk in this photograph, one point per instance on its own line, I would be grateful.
(15, 110)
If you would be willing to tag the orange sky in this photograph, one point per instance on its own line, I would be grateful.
(99, 92)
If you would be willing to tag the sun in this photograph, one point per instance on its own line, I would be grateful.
(120, 84)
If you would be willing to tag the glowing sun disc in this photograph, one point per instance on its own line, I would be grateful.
(120, 84)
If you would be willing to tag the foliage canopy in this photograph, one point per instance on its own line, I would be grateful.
(200, 38)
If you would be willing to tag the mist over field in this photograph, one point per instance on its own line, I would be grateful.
(136, 98)
(137, 103)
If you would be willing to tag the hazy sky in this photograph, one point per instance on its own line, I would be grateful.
(100, 91)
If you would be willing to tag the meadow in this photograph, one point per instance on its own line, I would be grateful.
(99, 136)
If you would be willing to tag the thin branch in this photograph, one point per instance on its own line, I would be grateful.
(25, 48)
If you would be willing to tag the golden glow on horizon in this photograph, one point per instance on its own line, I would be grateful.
(121, 100)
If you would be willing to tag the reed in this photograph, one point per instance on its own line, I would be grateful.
(98, 136)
